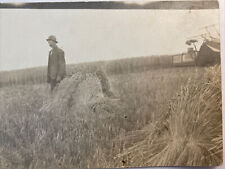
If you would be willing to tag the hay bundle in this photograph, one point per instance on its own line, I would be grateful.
(189, 134)
(77, 119)
(65, 131)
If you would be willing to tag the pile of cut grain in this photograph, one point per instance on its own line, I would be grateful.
(63, 131)
(189, 134)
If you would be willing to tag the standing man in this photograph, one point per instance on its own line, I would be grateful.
(56, 63)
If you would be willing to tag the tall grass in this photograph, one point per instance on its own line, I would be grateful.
(122, 66)
(78, 127)
(188, 134)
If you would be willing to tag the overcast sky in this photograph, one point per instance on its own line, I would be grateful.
(92, 35)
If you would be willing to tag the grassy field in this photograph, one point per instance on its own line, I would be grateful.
(38, 75)
(163, 116)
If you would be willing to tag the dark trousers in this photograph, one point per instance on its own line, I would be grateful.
(53, 83)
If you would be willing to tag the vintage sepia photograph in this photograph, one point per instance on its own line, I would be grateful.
(116, 84)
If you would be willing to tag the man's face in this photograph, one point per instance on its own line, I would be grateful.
(51, 43)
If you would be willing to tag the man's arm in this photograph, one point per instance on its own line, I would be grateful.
(61, 66)
(48, 76)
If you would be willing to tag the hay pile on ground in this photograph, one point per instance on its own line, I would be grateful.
(64, 131)
(189, 134)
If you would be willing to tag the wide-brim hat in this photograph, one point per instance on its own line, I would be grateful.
(52, 38)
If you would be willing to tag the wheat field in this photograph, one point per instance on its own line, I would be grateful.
(160, 117)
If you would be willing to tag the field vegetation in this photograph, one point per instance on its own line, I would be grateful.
(38, 75)
(160, 116)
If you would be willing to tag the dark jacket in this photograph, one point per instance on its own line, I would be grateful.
(56, 64)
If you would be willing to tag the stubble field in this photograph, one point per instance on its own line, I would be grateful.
(160, 117)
